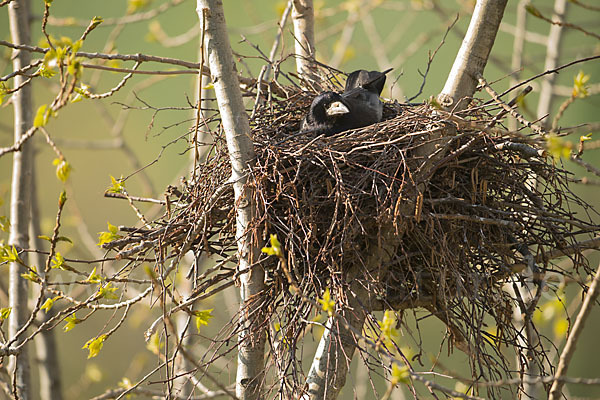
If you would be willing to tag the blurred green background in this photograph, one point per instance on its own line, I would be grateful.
(408, 31)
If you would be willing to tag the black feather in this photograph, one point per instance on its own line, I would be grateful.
(318, 121)
(360, 101)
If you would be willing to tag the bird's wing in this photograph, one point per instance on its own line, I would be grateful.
(355, 79)
(370, 80)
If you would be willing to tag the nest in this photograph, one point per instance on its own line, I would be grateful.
(424, 209)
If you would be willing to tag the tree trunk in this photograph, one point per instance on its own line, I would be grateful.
(46, 353)
(473, 54)
(552, 56)
(304, 33)
(251, 340)
(20, 208)
(332, 359)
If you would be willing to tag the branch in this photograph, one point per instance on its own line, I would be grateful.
(473, 54)
(567, 353)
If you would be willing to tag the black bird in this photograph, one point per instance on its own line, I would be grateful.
(327, 115)
(362, 90)
(358, 106)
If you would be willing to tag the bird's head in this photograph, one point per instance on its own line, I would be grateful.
(328, 105)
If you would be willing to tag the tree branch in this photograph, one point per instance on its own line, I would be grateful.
(567, 353)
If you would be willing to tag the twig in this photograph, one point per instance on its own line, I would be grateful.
(134, 198)
(551, 71)
(586, 6)
(536, 128)
(128, 19)
(430, 58)
(536, 13)
(569, 349)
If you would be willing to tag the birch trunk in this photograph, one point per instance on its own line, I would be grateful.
(46, 353)
(473, 54)
(304, 33)
(552, 55)
(527, 291)
(251, 341)
(336, 348)
(18, 13)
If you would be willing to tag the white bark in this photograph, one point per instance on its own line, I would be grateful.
(18, 12)
(567, 354)
(518, 46)
(527, 291)
(332, 359)
(473, 54)
(552, 55)
(251, 341)
(329, 368)
(303, 16)
(46, 354)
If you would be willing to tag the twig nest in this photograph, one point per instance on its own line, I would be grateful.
(424, 209)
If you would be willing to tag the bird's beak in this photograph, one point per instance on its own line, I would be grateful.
(337, 108)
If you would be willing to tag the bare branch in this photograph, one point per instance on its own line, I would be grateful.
(567, 353)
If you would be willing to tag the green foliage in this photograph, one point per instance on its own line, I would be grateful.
(275, 249)
(579, 88)
(62, 198)
(3, 92)
(42, 115)
(155, 345)
(46, 71)
(107, 237)
(4, 223)
(558, 147)
(58, 239)
(71, 321)
(82, 92)
(107, 292)
(75, 67)
(117, 185)
(388, 328)
(94, 345)
(59, 262)
(32, 275)
(9, 254)
(94, 277)
(553, 312)
(96, 21)
(136, 5)
(202, 317)
(400, 374)
(49, 303)
(327, 303)
(4, 313)
(63, 169)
